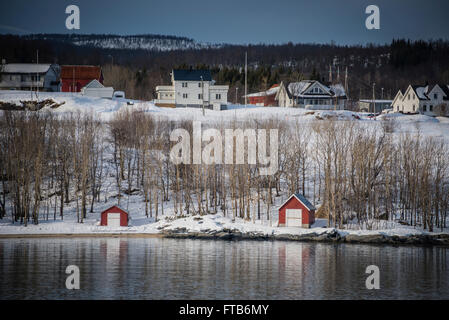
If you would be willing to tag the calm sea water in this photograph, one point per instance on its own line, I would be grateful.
(150, 268)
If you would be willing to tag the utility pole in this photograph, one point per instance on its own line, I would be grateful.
(37, 75)
(246, 77)
(330, 73)
(236, 95)
(346, 82)
(202, 93)
(382, 95)
(374, 98)
(73, 80)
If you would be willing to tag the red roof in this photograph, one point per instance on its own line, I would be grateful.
(115, 209)
(80, 72)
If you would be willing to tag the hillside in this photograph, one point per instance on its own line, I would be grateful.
(103, 189)
(145, 61)
(151, 42)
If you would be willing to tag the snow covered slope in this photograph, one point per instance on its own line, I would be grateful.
(104, 109)
(146, 42)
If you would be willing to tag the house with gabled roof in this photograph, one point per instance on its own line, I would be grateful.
(311, 94)
(296, 211)
(192, 88)
(97, 89)
(29, 76)
(431, 100)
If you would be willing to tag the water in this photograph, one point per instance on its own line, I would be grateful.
(154, 268)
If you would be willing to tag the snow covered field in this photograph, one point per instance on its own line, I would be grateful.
(105, 109)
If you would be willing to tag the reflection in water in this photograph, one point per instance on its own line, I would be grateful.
(145, 268)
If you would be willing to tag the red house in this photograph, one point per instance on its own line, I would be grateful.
(73, 78)
(114, 217)
(297, 211)
(264, 98)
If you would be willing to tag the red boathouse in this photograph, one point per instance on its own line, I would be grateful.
(297, 211)
(114, 217)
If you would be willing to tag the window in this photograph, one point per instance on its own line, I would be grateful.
(218, 96)
(413, 108)
(184, 84)
(430, 108)
(200, 96)
(435, 96)
(409, 96)
(199, 84)
(185, 95)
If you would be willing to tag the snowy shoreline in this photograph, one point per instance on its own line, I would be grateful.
(441, 239)
(334, 236)
(217, 227)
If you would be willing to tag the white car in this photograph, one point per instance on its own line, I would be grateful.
(118, 95)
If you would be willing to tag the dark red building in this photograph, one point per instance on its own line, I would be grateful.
(297, 211)
(114, 217)
(73, 78)
(264, 98)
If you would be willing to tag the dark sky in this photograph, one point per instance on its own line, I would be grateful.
(236, 21)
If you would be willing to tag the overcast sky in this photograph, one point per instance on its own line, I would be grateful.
(236, 21)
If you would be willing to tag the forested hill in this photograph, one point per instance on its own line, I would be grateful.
(152, 42)
(129, 62)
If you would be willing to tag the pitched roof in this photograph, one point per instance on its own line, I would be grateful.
(299, 89)
(192, 75)
(302, 199)
(445, 89)
(273, 90)
(115, 208)
(337, 89)
(25, 68)
(80, 72)
(94, 84)
(421, 91)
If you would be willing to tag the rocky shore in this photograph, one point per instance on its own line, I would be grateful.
(334, 236)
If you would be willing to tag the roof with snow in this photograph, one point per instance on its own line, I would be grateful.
(273, 90)
(94, 84)
(299, 89)
(192, 75)
(423, 91)
(25, 68)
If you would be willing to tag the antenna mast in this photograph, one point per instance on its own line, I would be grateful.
(246, 78)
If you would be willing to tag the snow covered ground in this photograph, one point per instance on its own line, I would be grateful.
(105, 109)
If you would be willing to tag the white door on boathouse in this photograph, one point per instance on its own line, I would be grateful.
(114, 219)
(294, 217)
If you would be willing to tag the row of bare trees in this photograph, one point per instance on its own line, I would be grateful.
(363, 176)
(373, 175)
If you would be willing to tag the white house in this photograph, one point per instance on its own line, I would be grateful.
(96, 89)
(430, 100)
(311, 94)
(29, 76)
(192, 88)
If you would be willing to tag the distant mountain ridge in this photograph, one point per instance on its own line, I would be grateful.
(150, 42)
